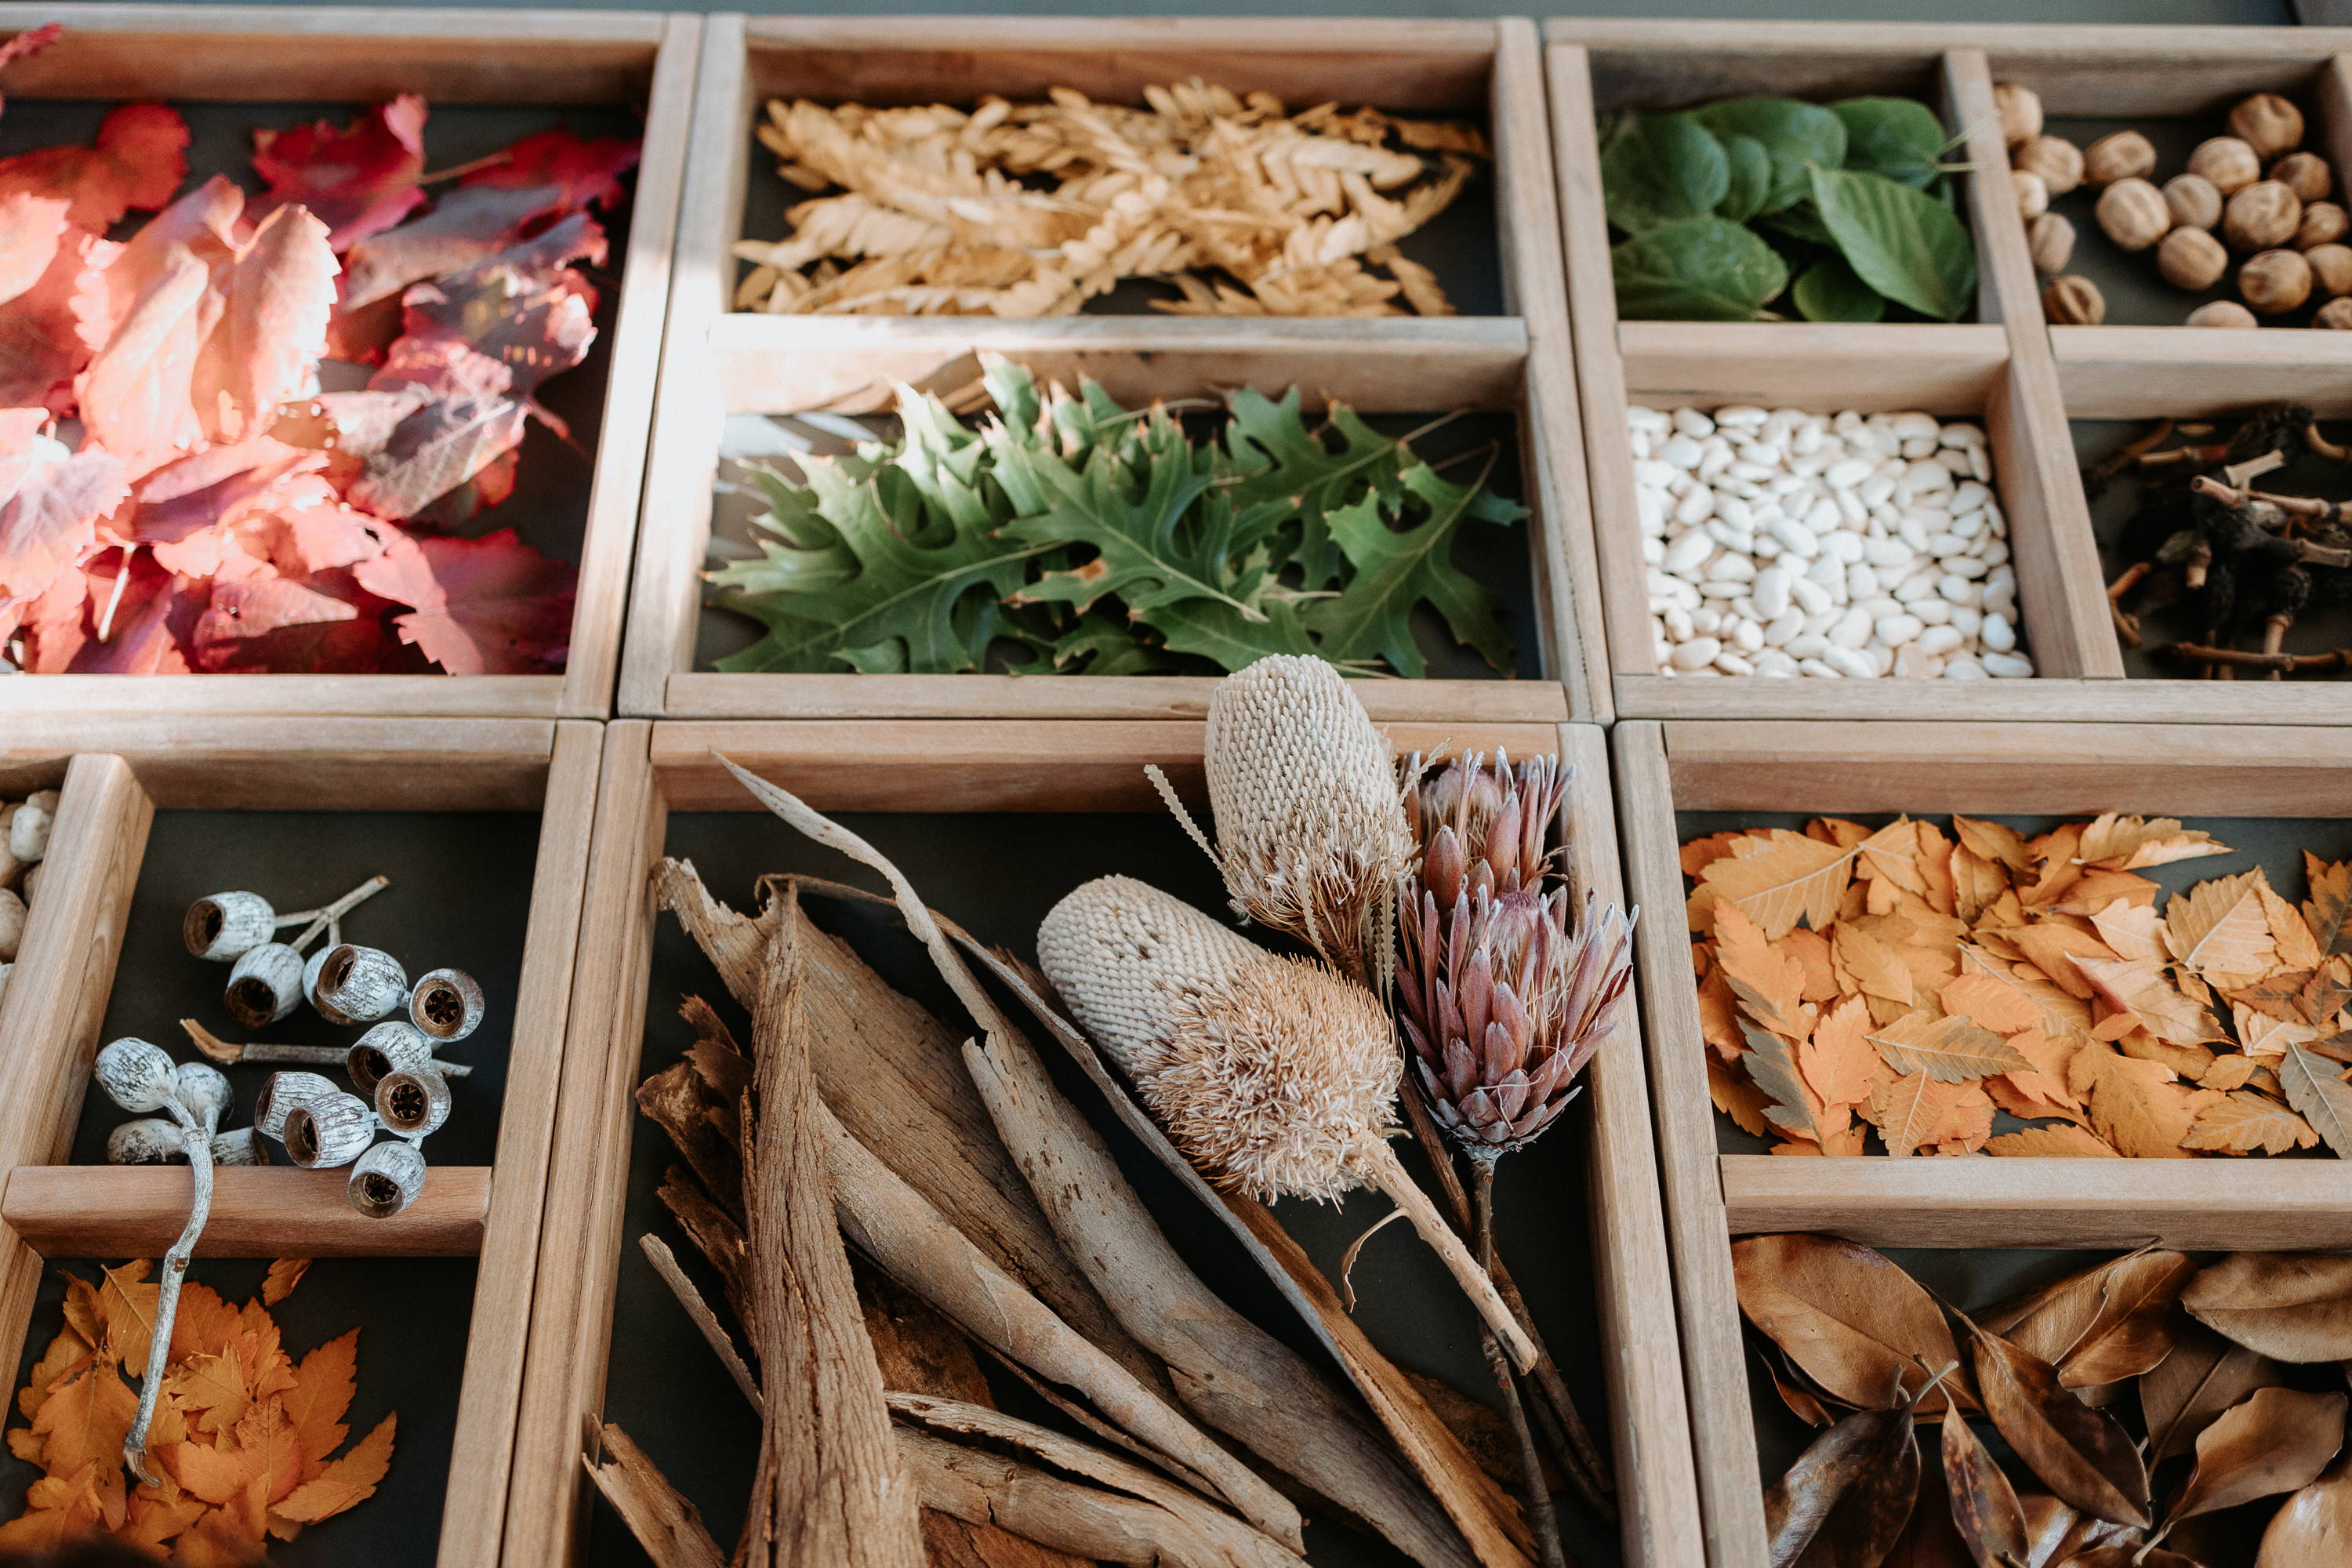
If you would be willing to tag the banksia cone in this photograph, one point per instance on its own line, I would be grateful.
(1312, 837)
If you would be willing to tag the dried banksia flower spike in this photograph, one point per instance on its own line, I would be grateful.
(1274, 1075)
(225, 1052)
(1311, 835)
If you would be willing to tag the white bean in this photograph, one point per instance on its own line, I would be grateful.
(1696, 654)
(1851, 662)
(1998, 634)
(2006, 665)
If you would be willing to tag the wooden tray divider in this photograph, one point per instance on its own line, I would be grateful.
(57, 1001)
(718, 361)
(651, 770)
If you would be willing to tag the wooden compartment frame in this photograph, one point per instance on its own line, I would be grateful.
(115, 773)
(302, 53)
(717, 361)
(1983, 768)
(651, 770)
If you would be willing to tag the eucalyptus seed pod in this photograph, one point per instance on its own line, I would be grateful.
(281, 1094)
(2194, 201)
(447, 1004)
(264, 986)
(204, 1091)
(150, 1141)
(136, 1076)
(413, 1104)
(224, 927)
(332, 1130)
(242, 1147)
(2020, 112)
(387, 1179)
(2221, 313)
(29, 829)
(12, 924)
(357, 984)
(2123, 155)
(2268, 123)
(389, 1048)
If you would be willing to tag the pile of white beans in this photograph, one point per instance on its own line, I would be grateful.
(1782, 542)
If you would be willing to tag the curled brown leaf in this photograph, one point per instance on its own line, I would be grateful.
(1984, 1505)
(2081, 1454)
(2103, 1324)
(2278, 1440)
(2183, 1394)
(2289, 1306)
(1855, 1323)
(1844, 1502)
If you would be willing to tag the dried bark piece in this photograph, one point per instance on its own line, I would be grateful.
(666, 1524)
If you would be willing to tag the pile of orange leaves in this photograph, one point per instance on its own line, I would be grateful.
(1910, 981)
(253, 433)
(242, 1437)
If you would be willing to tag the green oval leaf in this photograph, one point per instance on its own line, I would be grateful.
(1828, 291)
(1751, 179)
(1660, 169)
(1908, 245)
(1898, 137)
(1700, 269)
(1794, 136)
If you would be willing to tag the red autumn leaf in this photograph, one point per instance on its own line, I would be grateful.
(50, 503)
(492, 605)
(325, 626)
(203, 222)
(275, 299)
(28, 42)
(471, 227)
(358, 181)
(41, 350)
(536, 322)
(140, 630)
(431, 447)
(30, 229)
(140, 159)
(587, 173)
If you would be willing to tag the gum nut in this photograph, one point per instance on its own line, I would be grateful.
(2268, 123)
(149, 1140)
(2307, 174)
(2191, 258)
(2194, 201)
(242, 1147)
(2052, 242)
(2334, 316)
(12, 924)
(413, 1104)
(2020, 112)
(2123, 155)
(2032, 193)
(29, 830)
(2331, 269)
(2228, 162)
(447, 1004)
(2073, 301)
(224, 926)
(2058, 161)
(393, 1046)
(282, 1093)
(2323, 223)
(136, 1076)
(357, 984)
(2274, 282)
(387, 1179)
(2221, 313)
(2262, 215)
(328, 1132)
(203, 1090)
(264, 986)
(2134, 214)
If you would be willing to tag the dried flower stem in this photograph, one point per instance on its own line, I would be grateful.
(1541, 1516)
(2229, 657)
(329, 915)
(197, 1137)
(214, 1048)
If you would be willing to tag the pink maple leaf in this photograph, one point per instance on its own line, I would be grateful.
(51, 502)
(358, 181)
(139, 160)
(41, 350)
(30, 229)
(328, 625)
(587, 172)
(492, 605)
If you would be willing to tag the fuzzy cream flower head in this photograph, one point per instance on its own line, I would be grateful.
(1271, 1074)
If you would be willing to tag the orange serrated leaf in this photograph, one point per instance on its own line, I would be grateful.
(2120, 843)
(2055, 868)
(1935, 863)
(1991, 1003)
(2129, 930)
(126, 1305)
(2136, 1106)
(2295, 944)
(2218, 930)
(2261, 1035)
(2242, 1122)
(2095, 889)
(2059, 1012)
(1876, 969)
(284, 1275)
(65, 1353)
(1768, 984)
(213, 1389)
(2052, 947)
(1718, 1014)
(349, 1480)
(1781, 878)
(269, 1444)
(2328, 911)
(1838, 1061)
(321, 1393)
(1891, 855)
(1700, 853)
(1914, 1111)
(204, 1323)
(2140, 988)
(1736, 1094)
(2057, 1142)
(1994, 841)
(1811, 952)
(85, 1419)
(1950, 1050)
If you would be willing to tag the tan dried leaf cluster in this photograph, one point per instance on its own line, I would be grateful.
(1031, 209)
(1912, 981)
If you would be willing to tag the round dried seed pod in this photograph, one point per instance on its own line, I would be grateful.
(2276, 282)
(282, 1093)
(30, 886)
(29, 829)
(2072, 301)
(2192, 260)
(224, 926)
(202, 1089)
(2058, 161)
(2335, 315)
(390, 1046)
(2263, 215)
(2052, 242)
(2307, 174)
(12, 924)
(357, 984)
(387, 1179)
(2323, 223)
(2125, 156)
(242, 1147)
(2032, 193)
(150, 1141)
(2134, 214)
(2228, 162)
(2331, 269)
(413, 1104)
(330, 1130)
(2268, 123)
(264, 986)
(2194, 201)
(136, 1074)
(2020, 112)
(447, 1004)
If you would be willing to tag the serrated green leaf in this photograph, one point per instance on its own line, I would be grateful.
(1280, 463)
(1397, 569)
(1795, 135)
(1660, 169)
(1905, 244)
(1213, 631)
(1700, 269)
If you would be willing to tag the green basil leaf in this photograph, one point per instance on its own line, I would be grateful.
(1700, 269)
(1828, 291)
(1906, 245)
(1898, 137)
(1660, 169)
(1794, 135)
(1751, 179)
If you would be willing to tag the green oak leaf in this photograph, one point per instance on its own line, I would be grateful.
(1278, 462)
(1397, 569)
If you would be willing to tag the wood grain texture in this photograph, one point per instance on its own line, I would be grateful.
(2039, 700)
(1945, 368)
(849, 695)
(258, 1211)
(2151, 373)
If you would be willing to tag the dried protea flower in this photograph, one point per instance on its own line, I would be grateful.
(1311, 837)
(1276, 1075)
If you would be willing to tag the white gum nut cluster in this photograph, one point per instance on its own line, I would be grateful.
(1848, 546)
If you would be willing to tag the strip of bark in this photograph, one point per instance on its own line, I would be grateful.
(697, 1311)
(666, 1524)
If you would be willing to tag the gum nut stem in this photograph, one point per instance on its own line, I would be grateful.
(281, 1094)
(390, 1046)
(328, 918)
(447, 1004)
(150, 1141)
(264, 986)
(413, 1104)
(328, 1132)
(12, 924)
(243, 1146)
(224, 927)
(29, 829)
(387, 1179)
(357, 984)
(204, 1093)
(137, 1076)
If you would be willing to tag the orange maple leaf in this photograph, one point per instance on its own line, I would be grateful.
(284, 1275)
(1769, 984)
(349, 1480)
(321, 1393)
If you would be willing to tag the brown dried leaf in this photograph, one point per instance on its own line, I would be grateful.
(1949, 1050)
(1849, 1495)
(2128, 930)
(1994, 841)
(1984, 1505)
(2055, 948)
(2120, 843)
(2136, 1106)
(2247, 1124)
(1915, 1111)
(1793, 1107)
(1852, 1322)
(2061, 1142)
(2324, 1098)
(2312, 1529)
(2219, 930)
(2081, 1454)
(284, 1275)
(2298, 945)
(2328, 911)
(1768, 983)
(2289, 1306)
(2277, 1441)
(1781, 878)
(1736, 1094)
(2204, 1375)
(2103, 1324)
(2140, 987)
(1995, 1003)
(1876, 969)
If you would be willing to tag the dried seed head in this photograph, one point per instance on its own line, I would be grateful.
(136, 1076)
(281, 1094)
(224, 926)
(447, 1004)
(413, 1104)
(357, 985)
(330, 1131)
(1271, 1074)
(390, 1046)
(150, 1141)
(387, 1179)
(1310, 837)
(264, 985)
(203, 1090)
(242, 1147)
